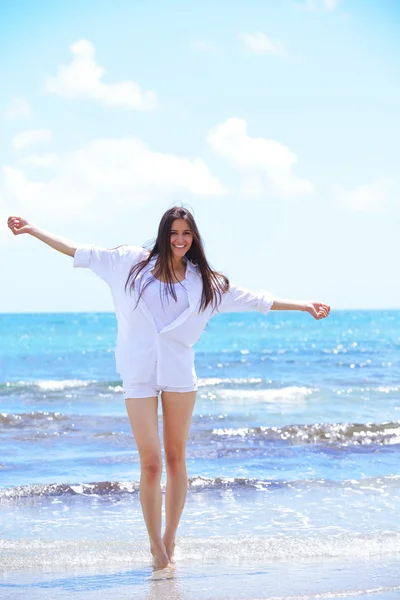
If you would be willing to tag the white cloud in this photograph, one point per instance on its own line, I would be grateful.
(19, 109)
(331, 4)
(41, 160)
(30, 137)
(371, 197)
(82, 78)
(259, 43)
(4, 213)
(39, 198)
(315, 5)
(268, 163)
(106, 173)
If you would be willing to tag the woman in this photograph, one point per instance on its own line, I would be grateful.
(163, 300)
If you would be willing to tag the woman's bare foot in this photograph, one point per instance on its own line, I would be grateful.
(170, 548)
(160, 557)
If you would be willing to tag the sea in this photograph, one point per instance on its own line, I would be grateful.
(293, 459)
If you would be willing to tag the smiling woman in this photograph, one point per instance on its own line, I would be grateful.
(163, 301)
(179, 237)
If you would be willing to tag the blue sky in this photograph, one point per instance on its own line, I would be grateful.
(277, 122)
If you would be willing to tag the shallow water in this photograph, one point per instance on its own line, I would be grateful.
(305, 580)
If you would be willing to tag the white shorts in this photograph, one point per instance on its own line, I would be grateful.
(148, 390)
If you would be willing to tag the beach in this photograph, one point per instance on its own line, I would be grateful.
(293, 462)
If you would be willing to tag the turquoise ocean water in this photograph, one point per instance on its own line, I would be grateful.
(293, 458)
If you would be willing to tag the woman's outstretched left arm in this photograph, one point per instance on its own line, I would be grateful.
(318, 310)
(238, 299)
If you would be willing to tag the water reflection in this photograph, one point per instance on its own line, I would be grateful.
(165, 584)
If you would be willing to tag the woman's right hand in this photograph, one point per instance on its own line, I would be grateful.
(19, 225)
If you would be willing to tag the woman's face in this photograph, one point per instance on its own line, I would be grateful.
(181, 238)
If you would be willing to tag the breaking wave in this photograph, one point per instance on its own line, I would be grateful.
(24, 554)
(198, 483)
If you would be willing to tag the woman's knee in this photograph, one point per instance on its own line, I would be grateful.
(151, 467)
(175, 459)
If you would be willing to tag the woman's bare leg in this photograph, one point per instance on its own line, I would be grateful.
(143, 418)
(177, 415)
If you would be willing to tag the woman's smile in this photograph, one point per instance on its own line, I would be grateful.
(181, 236)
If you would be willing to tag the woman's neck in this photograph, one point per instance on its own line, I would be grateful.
(178, 267)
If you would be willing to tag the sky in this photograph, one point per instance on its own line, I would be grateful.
(276, 123)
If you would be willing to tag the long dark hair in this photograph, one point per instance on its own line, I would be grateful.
(214, 283)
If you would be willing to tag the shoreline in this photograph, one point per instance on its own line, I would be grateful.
(206, 580)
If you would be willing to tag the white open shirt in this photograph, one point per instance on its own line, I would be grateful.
(142, 353)
(162, 305)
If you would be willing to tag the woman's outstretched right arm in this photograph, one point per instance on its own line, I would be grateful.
(19, 225)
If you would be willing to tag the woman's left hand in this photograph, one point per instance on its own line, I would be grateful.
(318, 310)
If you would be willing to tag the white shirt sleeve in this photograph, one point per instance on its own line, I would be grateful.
(238, 299)
(108, 263)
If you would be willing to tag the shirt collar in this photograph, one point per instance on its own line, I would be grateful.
(191, 269)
